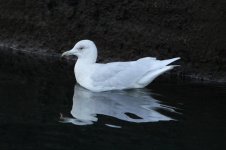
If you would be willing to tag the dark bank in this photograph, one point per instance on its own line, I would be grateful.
(123, 30)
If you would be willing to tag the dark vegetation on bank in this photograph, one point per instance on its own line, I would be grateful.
(122, 29)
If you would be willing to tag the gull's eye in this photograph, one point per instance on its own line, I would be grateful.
(81, 48)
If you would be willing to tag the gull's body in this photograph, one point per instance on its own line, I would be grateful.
(116, 75)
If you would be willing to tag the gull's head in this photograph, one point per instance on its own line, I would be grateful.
(84, 49)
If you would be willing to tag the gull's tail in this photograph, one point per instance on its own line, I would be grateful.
(160, 68)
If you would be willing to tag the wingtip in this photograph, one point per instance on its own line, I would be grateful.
(177, 58)
(169, 61)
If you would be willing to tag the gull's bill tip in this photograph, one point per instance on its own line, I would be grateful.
(65, 54)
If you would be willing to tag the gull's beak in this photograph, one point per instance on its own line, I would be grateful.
(67, 53)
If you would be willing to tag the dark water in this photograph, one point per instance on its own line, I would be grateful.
(34, 110)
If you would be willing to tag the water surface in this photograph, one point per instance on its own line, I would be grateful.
(49, 111)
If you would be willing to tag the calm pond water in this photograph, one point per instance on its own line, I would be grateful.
(52, 112)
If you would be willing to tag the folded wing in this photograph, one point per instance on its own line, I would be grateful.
(123, 75)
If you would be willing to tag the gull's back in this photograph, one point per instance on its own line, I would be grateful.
(126, 75)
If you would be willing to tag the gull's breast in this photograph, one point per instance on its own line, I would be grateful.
(82, 75)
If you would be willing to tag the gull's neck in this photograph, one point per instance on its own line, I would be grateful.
(81, 61)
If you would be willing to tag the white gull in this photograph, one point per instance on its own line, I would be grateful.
(116, 75)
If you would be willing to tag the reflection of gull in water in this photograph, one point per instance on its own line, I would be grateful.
(132, 105)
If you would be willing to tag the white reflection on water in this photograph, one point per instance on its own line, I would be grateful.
(133, 106)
